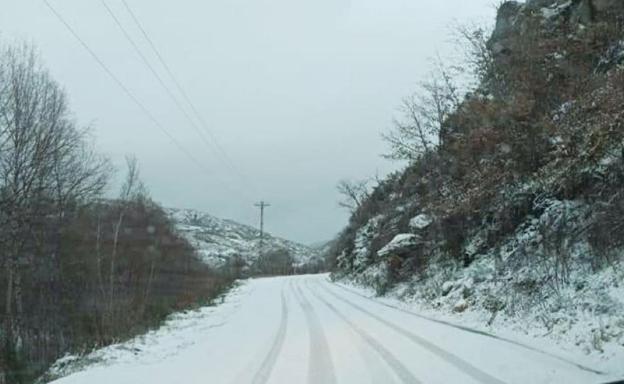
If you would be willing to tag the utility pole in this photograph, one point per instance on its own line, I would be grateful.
(262, 205)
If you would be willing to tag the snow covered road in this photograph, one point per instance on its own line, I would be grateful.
(304, 329)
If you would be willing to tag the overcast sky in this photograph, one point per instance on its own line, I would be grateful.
(297, 93)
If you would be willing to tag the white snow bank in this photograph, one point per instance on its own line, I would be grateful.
(583, 323)
(180, 331)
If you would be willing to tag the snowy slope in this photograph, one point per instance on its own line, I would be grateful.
(313, 331)
(218, 240)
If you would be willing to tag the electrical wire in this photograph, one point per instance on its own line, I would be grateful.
(156, 75)
(127, 91)
(198, 116)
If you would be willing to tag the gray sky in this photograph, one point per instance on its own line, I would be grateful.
(297, 92)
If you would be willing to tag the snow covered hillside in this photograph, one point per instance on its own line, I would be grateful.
(219, 240)
(514, 219)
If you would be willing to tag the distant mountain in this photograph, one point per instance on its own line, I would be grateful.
(218, 240)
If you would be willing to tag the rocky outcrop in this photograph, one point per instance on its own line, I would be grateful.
(512, 19)
(420, 222)
(401, 244)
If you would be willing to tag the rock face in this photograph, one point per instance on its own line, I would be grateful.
(512, 17)
(506, 19)
(506, 26)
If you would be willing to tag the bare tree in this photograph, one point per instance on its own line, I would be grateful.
(423, 116)
(353, 193)
(421, 125)
(132, 190)
(32, 120)
(477, 58)
(44, 164)
(79, 173)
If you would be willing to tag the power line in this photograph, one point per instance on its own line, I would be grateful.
(262, 205)
(125, 89)
(212, 145)
(155, 73)
(128, 93)
(184, 94)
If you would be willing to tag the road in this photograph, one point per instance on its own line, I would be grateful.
(305, 329)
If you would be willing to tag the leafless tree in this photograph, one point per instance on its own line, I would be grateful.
(44, 164)
(80, 174)
(71, 263)
(32, 118)
(353, 193)
(423, 116)
(471, 41)
(132, 189)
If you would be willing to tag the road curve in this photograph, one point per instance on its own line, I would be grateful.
(305, 329)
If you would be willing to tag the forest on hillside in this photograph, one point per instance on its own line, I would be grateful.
(78, 271)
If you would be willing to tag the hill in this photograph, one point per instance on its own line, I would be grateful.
(513, 214)
(218, 241)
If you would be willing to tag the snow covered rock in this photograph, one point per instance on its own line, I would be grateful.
(447, 287)
(420, 222)
(460, 306)
(467, 287)
(400, 244)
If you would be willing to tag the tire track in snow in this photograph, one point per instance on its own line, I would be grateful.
(459, 363)
(472, 330)
(264, 372)
(399, 369)
(377, 370)
(321, 367)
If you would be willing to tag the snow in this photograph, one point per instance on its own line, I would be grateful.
(421, 221)
(307, 329)
(363, 239)
(554, 11)
(179, 332)
(447, 286)
(218, 240)
(583, 323)
(521, 289)
(400, 241)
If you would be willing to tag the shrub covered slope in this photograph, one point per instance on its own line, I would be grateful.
(515, 211)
